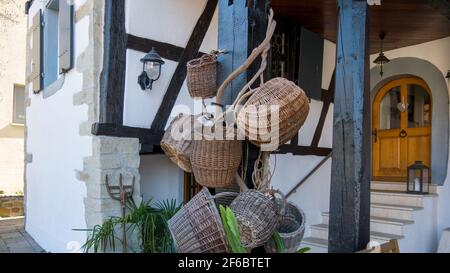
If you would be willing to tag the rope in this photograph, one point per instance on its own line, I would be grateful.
(262, 175)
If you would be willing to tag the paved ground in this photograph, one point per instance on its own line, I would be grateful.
(14, 239)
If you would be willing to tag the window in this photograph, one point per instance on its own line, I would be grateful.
(52, 44)
(19, 105)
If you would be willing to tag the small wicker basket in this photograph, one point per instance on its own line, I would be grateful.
(197, 227)
(255, 118)
(202, 77)
(177, 141)
(291, 229)
(216, 162)
(258, 216)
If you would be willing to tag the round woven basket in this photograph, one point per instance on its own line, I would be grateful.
(216, 162)
(254, 120)
(291, 229)
(201, 77)
(197, 227)
(258, 216)
(177, 141)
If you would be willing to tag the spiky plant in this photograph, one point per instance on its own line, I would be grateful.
(149, 222)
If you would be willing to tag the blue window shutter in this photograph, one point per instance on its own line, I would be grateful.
(36, 63)
(65, 36)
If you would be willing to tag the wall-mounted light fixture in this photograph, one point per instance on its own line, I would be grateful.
(151, 70)
(381, 60)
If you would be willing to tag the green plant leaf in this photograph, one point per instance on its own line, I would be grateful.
(279, 242)
(304, 250)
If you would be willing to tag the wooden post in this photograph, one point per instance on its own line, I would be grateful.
(351, 168)
(242, 27)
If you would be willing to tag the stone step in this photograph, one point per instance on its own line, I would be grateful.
(320, 245)
(321, 232)
(394, 211)
(395, 186)
(398, 198)
(381, 224)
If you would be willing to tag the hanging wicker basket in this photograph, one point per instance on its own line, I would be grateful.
(291, 229)
(177, 141)
(215, 162)
(202, 77)
(255, 118)
(258, 217)
(197, 227)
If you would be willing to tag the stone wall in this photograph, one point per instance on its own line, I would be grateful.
(11, 206)
(112, 157)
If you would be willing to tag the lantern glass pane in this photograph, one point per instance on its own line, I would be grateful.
(152, 69)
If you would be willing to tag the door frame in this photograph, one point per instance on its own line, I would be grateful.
(380, 93)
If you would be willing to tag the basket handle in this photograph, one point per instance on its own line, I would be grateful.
(206, 58)
(283, 199)
(225, 194)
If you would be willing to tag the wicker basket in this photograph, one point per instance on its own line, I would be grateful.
(258, 216)
(291, 229)
(201, 77)
(216, 162)
(197, 227)
(255, 121)
(177, 141)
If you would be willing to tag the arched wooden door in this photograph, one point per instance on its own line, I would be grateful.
(401, 127)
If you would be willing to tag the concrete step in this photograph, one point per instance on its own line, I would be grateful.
(395, 186)
(398, 198)
(394, 211)
(321, 232)
(381, 224)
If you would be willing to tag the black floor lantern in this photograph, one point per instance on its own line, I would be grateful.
(419, 178)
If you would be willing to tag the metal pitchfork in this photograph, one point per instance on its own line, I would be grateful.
(121, 193)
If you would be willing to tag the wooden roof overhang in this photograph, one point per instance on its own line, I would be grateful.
(406, 22)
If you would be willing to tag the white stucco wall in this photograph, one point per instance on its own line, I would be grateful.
(54, 196)
(12, 71)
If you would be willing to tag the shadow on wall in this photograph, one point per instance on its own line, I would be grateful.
(409, 66)
(12, 131)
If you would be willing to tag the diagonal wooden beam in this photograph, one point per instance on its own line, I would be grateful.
(189, 53)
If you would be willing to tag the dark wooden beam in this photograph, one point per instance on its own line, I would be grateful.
(112, 78)
(303, 150)
(190, 52)
(145, 136)
(349, 229)
(166, 50)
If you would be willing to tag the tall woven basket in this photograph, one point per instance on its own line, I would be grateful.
(197, 227)
(291, 229)
(202, 77)
(216, 162)
(257, 121)
(258, 216)
(177, 141)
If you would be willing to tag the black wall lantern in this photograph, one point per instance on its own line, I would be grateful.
(152, 64)
(381, 60)
(419, 178)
